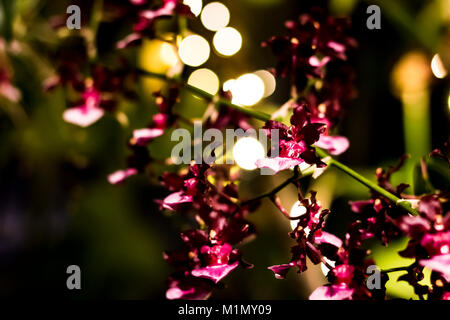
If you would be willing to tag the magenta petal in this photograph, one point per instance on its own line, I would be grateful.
(281, 270)
(83, 117)
(329, 238)
(335, 145)
(414, 226)
(216, 272)
(333, 292)
(174, 199)
(120, 175)
(359, 206)
(143, 136)
(278, 164)
(440, 264)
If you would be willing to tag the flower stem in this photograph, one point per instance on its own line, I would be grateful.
(199, 92)
(352, 173)
(265, 117)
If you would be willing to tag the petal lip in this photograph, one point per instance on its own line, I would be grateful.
(440, 263)
(145, 135)
(332, 292)
(336, 145)
(329, 238)
(278, 163)
(215, 272)
(280, 271)
(173, 200)
(81, 117)
(120, 175)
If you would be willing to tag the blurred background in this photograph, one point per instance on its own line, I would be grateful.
(58, 209)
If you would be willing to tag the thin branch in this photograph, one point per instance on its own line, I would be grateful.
(265, 117)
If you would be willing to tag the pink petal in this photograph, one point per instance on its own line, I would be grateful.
(120, 175)
(336, 46)
(278, 163)
(333, 292)
(83, 117)
(440, 264)
(143, 136)
(190, 293)
(166, 10)
(10, 92)
(129, 40)
(315, 62)
(329, 238)
(174, 199)
(138, 2)
(281, 270)
(215, 273)
(335, 145)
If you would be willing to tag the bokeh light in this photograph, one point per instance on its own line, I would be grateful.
(194, 50)
(160, 57)
(247, 90)
(169, 54)
(297, 210)
(246, 151)
(269, 82)
(438, 68)
(195, 5)
(204, 79)
(228, 85)
(227, 41)
(215, 16)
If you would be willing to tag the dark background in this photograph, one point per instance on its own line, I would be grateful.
(57, 208)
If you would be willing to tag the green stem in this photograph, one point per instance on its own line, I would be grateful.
(199, 92)
(94, 23)
(264, 117)
(372, 185)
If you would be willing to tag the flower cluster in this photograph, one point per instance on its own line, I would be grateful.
(208, 255)
(296, 141)
(313, 55)
(430, 244)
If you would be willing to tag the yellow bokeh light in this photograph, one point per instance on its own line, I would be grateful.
(195, 5)
(247, 151)
(160, 57)
(215, 16)
(228, 85)
(204, 79)
(194, 50)
(227, 41)
(438, 68)
(247, 90)
(169, 54)
(269, 82)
